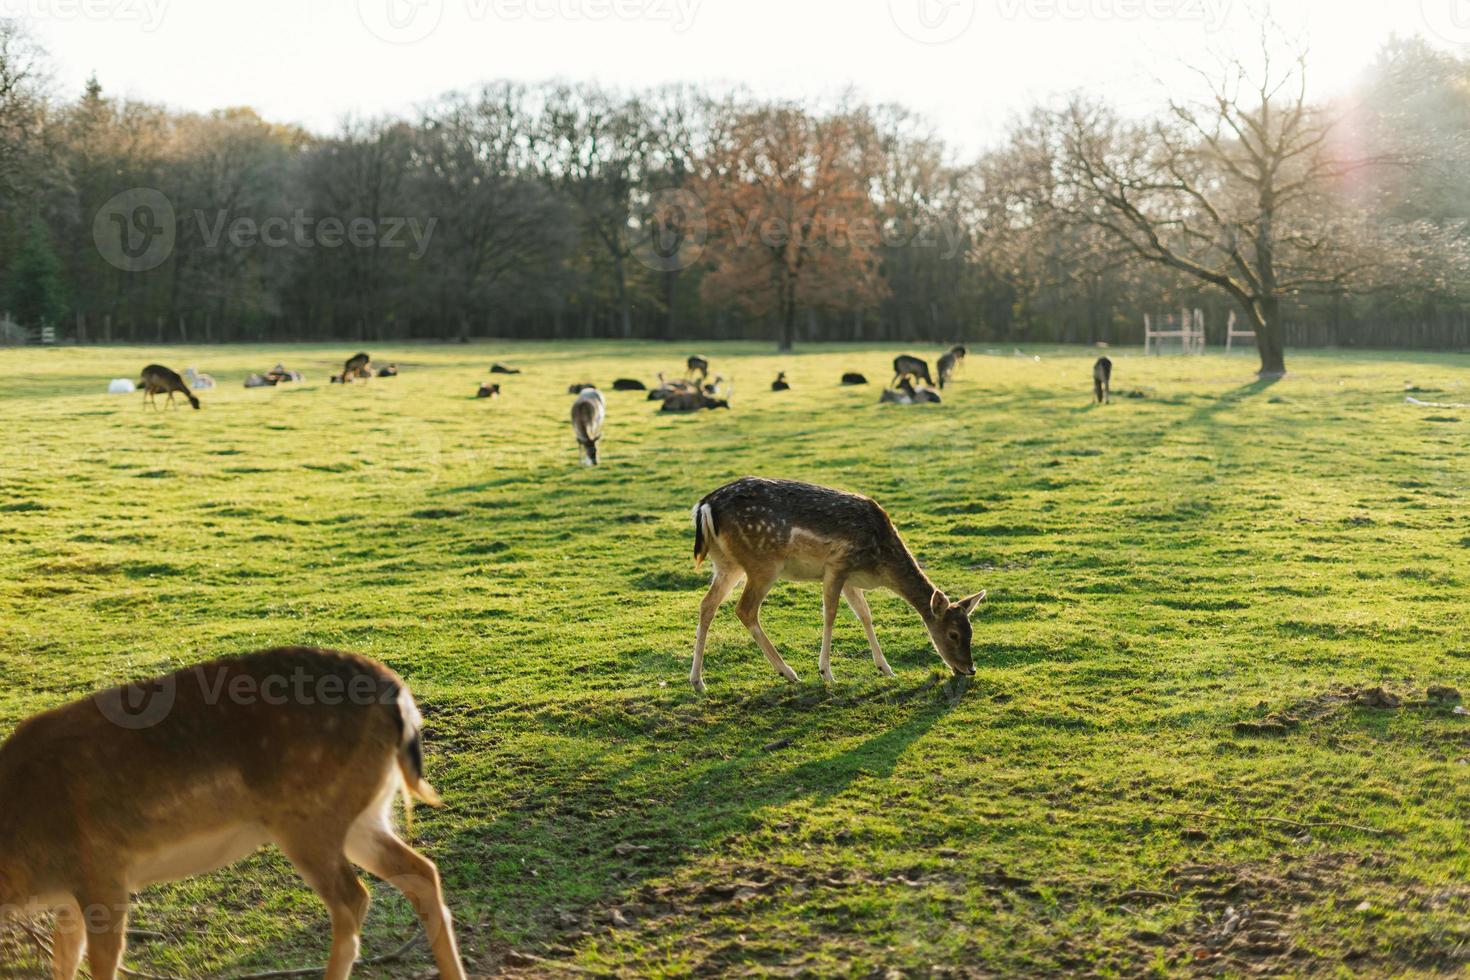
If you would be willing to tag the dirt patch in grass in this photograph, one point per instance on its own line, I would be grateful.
(1336, 700)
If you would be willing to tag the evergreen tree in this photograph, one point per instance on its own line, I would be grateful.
(37, 297)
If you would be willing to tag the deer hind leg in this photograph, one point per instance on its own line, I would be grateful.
(376, 848)
(68, 939)
(105, 918)
(724, 582)
(749, 611)
(859, 603)
(332, 877)
(831, 597)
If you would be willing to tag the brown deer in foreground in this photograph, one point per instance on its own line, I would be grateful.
(307, 749)
(158, 380)
(764, 531)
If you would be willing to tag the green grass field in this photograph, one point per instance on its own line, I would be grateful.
(1211, 551)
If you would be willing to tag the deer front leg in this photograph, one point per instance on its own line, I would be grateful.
(719, 591)
(749, 611)
(831, 596)
(859, 603)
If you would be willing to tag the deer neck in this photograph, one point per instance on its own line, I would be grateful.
(906, 578)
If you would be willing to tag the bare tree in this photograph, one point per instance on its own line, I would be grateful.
(1234, 191)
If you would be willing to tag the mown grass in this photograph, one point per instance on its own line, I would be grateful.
(1208, 552)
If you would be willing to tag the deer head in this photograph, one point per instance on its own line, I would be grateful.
(949, 629)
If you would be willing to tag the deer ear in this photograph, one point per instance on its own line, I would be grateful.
(969, 603)
(938, 603)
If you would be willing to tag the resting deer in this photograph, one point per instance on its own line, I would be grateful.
(306, 749)
(357, 366)
(159, 380)
(197, 381)
(692, 401)
(907, 366)
(949, 363)
(853, 378)
(1102, 380)
(780, 384)
(588, 413)
(763, 531)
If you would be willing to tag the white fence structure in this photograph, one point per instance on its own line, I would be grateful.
(1231, 334)
(1187, 326)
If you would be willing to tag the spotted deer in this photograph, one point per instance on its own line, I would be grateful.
(158, 380)
(764, 531)
(307, 749)
(588, 413)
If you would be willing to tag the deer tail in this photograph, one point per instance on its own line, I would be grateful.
(411, 758)
(704, 531)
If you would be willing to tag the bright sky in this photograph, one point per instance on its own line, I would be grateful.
(969, 65)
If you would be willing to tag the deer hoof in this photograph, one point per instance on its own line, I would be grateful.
(827, 677)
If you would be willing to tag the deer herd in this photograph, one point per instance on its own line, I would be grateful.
(311, 750)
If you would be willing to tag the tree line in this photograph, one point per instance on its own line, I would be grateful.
(568, 210)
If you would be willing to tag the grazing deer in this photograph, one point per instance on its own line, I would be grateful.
(629, 384)
(767, 530)
(499, 368)
(588, 413)
(949, 363)
(780, 384)
(307, 749)
(698, 365)
(692, 401)
(159, 380)
(907, 366)
(577, 389)
(488, 391)
(357, 366)
(1102, 380)
(853, 378)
